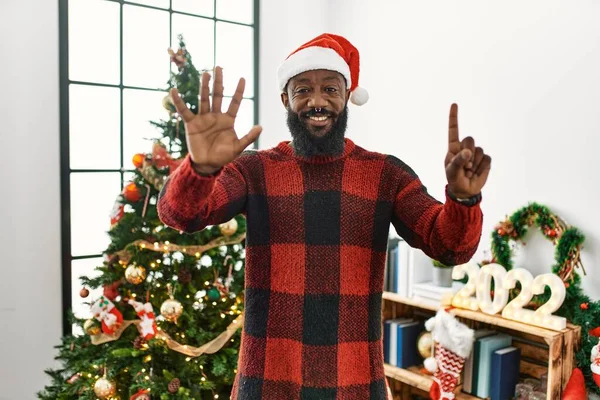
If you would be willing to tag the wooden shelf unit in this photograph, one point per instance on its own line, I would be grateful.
(542, 350)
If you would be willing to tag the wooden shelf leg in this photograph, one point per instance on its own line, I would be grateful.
(555, 372)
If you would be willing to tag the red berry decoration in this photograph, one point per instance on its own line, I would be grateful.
(138, 160)
(584, 306)
(501, 232)
(132, 193)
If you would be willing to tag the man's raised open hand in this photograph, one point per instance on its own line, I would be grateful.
(467, 166)
(210, 134)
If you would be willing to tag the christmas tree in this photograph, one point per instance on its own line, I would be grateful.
(166, 325)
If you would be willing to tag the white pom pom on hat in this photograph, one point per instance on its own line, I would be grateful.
(330, 52)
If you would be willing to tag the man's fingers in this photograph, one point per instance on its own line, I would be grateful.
(249, 138)
(459, 161)
(218, 90)
(234, 106)
(469, 144)
(484, 166)
(180, 106)
(205, 94)
(453, 125)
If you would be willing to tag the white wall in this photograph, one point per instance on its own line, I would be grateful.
(30, 284)
(284, 25)
(525, 77)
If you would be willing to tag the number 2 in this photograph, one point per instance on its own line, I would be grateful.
(464, 297)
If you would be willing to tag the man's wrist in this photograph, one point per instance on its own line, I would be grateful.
(203, 169)
(467, 200)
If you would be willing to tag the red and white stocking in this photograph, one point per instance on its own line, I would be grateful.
(445, 379)
(105, 311)
(147, 326)
(453, 344)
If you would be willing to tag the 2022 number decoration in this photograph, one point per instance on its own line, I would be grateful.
(479, 282)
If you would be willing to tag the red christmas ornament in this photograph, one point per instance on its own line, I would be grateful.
(575, 389)
(132, 193)
(138, 160)
(584, 306)
(84, 292)
(595, 332)
(551, 233)
(567, 285)
(501, 232)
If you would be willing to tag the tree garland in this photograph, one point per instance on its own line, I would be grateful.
(577, 307)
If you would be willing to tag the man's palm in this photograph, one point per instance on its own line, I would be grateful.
(211, 138)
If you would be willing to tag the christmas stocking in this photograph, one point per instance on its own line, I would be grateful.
(105, 311)
(147, 326)
(453, 343)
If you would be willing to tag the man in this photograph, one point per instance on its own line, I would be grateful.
(318, 213)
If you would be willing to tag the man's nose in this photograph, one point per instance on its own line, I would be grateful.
(317, 100)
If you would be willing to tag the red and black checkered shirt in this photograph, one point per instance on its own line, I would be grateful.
(317, 234)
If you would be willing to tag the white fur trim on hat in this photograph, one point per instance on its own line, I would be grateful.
(309, 59)
(450, 333)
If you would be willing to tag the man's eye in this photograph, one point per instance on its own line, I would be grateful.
(331, 89)
(302, 90)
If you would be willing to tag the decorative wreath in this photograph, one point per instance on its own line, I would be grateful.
(567, 240)
(578, 308)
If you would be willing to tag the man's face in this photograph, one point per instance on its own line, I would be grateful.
(318, 98)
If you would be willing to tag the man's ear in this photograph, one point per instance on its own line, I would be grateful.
(285, 100)
(347, 95)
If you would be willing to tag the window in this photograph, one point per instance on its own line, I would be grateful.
(114, 72)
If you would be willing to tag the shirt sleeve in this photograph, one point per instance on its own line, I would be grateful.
(189, 201)
(448, 232)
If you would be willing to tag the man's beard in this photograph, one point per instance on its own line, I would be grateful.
(307, 144)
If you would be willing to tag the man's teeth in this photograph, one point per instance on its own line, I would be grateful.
(318, 118)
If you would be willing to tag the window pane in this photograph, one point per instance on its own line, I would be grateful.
(139, 108)
(92, 198)
(200, 7)
(94, 41)
(235, 53)
(154, 3)
(94, 127)
(145, 44)
(245, 117)
(199, 36)
(236, 10)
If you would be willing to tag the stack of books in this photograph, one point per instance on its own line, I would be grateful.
(430, 293)
(400, 342)
(397, 266)
(492, 370)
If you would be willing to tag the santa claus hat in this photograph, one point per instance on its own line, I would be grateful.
(330, 52)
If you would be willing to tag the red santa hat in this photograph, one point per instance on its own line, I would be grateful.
(330, 52)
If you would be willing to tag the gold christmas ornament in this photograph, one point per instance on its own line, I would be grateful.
(91, 327)
(104, 388)
(229, 228)
(424, 344)
(171, 309)
(135, 274)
